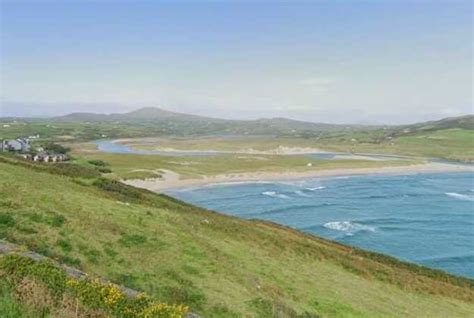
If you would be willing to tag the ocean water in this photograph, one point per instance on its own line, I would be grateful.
(423, 218)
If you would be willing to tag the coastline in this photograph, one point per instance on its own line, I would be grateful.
(171, 180)
(280, 150)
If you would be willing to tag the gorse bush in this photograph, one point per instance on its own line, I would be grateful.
(118, 188)
(16, 268)
(97, 295)
(98, 163)
(104, 169)
(100, 166)
(57, 148)
(93, 296)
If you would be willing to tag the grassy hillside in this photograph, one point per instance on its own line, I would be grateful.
(450, 138)
(157, 122)
(452, 143)
(219, 266)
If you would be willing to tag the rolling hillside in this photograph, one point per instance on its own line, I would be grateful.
(219, 266)
(181, 124)
(449, 138)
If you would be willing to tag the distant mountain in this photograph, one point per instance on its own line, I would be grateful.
(461, 122)
(177, 123)
(151, 121)
(466, 122)
(142, 114)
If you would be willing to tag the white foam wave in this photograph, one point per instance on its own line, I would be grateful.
(348, 227)
(460, 196)
(275, 194)
(316, 188)
(301, 193)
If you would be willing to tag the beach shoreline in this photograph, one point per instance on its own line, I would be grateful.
(280, 150)
(171, 180)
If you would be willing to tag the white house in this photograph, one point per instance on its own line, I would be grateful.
(19, 144)
(49, 157)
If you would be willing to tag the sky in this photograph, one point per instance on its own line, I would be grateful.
(324, 61)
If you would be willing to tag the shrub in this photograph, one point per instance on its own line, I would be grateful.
(132, 239)
(27, 275)
(50, 218)
(98, 163)
(65, 245)
(16, 268)
(57, 220)
(118, 188)
(6, 220)
(104, 170)
(65, 169)
(57, 148)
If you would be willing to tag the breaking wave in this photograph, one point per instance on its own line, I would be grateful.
(348, 227)
(301, 193)
(460, 196)
(316, 188)
(275, 194)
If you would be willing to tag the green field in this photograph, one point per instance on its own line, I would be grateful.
(129, 166)
(451, 138)
(453, 144)
(219, 266)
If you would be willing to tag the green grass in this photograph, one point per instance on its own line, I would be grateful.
(450, 141)
(453, 144)
(9, 306)
(74, 131)
(130, 166)
(219, 265)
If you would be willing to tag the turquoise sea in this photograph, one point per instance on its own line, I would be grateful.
(423, 218)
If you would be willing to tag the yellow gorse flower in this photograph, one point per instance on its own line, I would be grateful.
(112, 297)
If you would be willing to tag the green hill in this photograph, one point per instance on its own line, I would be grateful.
(218, 265)
(151, 121)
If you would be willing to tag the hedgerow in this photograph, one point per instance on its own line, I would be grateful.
(65, 169)
(93, 294)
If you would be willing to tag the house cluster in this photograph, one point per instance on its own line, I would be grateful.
(22, 147)
(45, 157)
(19, 145)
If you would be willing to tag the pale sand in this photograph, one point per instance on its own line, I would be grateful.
(172, 180)
(280, 150)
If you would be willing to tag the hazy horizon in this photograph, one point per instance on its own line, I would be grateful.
(92, 108)
(366, 62)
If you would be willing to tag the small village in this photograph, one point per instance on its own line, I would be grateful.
(23, 148)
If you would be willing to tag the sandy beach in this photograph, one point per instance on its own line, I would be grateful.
(280, 150)
(172, 180)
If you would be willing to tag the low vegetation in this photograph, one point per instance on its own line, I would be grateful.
(452, 144)
(217, 265)
(130, 166)
(40, 288)
(450, 138)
